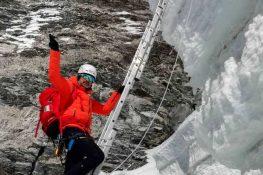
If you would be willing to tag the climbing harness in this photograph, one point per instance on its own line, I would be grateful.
(59, 149)
(63, 145)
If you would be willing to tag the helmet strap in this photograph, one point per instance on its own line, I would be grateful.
(78, 77)
(88, 89)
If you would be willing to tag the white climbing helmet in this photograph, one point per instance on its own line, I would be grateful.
(88, 69)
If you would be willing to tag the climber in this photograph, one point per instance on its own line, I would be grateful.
(83, 153)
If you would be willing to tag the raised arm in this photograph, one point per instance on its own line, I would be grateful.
(55, 78)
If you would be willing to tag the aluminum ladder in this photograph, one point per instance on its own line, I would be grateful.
(134, 73)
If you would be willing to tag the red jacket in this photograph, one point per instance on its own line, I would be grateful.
(79, 113)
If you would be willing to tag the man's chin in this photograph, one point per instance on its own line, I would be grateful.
(87, 87)
(84, 85)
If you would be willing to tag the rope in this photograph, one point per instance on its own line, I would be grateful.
(166, 89)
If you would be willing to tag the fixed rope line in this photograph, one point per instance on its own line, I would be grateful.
(165, 92)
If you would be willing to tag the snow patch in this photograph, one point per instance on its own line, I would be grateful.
(122, 13)
(130, 26)
(22, 32)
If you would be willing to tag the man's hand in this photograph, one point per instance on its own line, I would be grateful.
(120, 90)
(53, 44)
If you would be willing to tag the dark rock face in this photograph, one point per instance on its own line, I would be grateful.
(104, 33)
(18, 89)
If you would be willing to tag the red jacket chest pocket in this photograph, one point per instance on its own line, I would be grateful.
(83, 108)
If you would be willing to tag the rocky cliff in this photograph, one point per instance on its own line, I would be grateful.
(105, 33)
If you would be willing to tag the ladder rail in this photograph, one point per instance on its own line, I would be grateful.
(124, 83)
(138, 76)
(134, 72)
(130, 81)
(142, 48)
(137, 52)
(148, 34)
(118, 108)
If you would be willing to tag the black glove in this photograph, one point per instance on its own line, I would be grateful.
(120, 90)
(53, 44)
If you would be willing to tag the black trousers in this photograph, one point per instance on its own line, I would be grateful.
(84, 156)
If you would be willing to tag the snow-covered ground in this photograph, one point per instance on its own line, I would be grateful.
(28, 27)
(220, 43)
(129, 25)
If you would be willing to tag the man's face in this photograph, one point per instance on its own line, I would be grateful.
(86, 80)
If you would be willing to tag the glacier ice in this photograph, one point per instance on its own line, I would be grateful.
(220, 43)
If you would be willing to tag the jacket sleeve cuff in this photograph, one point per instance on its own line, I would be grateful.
(54, 53)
